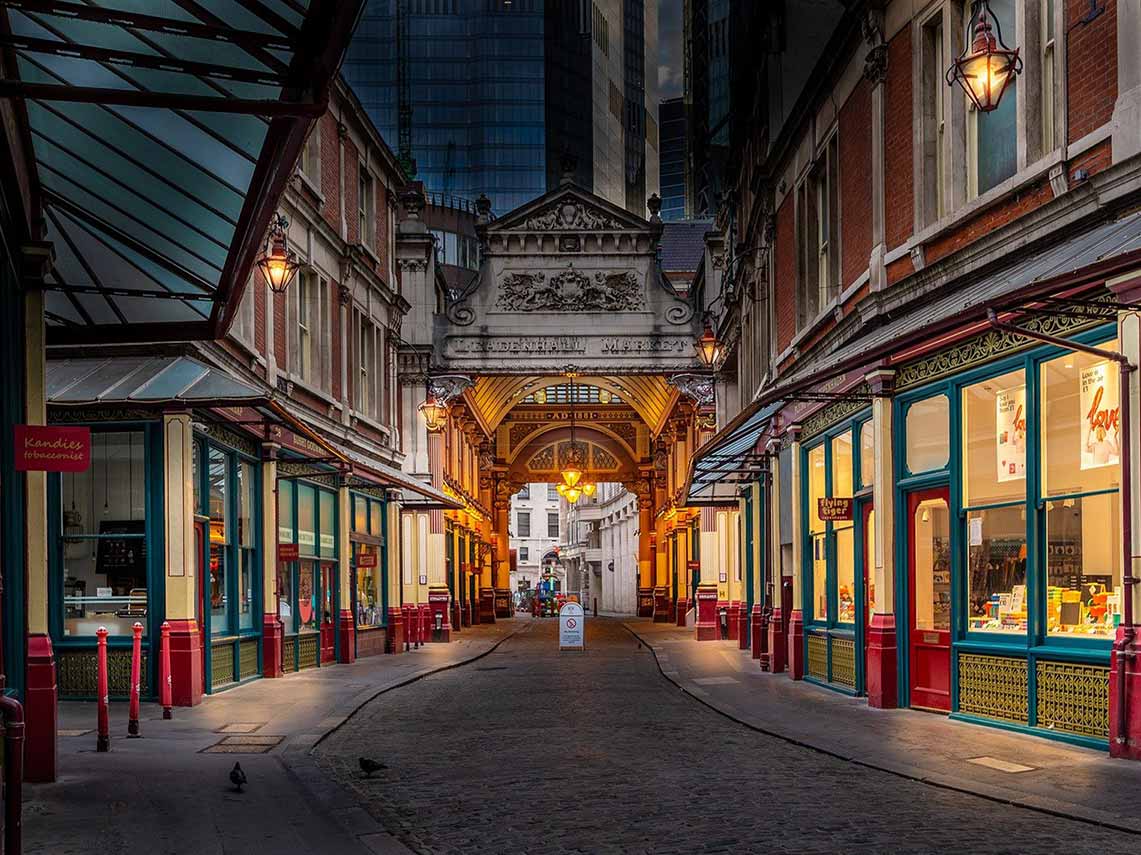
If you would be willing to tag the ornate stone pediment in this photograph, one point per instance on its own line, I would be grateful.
(570, 214)
(570, 291)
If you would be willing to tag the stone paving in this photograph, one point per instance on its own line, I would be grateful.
(530, 750)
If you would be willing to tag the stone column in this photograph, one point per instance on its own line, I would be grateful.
(395, 634)
(346, 619)
(181, 560)
(1125, 660)
(684, 594)
(1127, 109)
(796, 618)
(882, 664)
(42, 695)
(272, 631)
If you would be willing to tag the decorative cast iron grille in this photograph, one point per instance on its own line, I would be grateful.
(834, 413)
(247, 659)
(818, 657)
(844, 662)
(1073, 698)
(77, 674)
(307, 647)
(221, 664)
(994, 687)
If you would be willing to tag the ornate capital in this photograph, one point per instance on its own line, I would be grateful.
(881, 382)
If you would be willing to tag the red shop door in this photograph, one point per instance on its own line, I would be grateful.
(929, 567)
(328, 614)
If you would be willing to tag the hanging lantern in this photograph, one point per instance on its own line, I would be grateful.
(435, 413)
(572, 494)
(708, 346)
(588, 489)
(277, 262)
(561, 489)
(573, 462)
(987, 66)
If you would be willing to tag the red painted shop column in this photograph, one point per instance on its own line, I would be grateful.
(882, 678)
(184, 542)
(796, 616)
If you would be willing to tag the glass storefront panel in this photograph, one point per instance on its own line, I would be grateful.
(374, 522)
(306, 520)
(103, 527)
(1083, 566)
(219, 492)
(285, 595)
(996, 570)
(870, 561)
(846, 574)
(842, 465)
(867, 455)
(819, 578)
(360, 514)
(994, 440)
(285, 493)
(328, 574)
(368, 607)
(307, 611)
(327, 522)
(928, 434)
(816, 488)
(246, 543)
(932, 557)
(1081, 424)
(219, 601)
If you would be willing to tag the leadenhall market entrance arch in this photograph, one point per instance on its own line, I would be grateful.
(565, 347)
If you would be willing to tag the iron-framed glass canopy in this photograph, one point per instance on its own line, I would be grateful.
(163, 133)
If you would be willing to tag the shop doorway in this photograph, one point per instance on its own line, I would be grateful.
(328, 613)
(929, 566)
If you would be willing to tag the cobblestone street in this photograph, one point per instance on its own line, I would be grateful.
(530, 750)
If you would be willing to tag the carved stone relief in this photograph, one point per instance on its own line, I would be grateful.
(569, 213)
(570, 291)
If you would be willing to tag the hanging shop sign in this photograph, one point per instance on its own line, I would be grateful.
(1010, 425)
(288, 552)
(572, 622)
(1101, 417)
(834, 508)
(693, 565)
(366, 559)
(40, 448)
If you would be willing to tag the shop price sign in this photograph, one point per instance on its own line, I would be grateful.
(287, 552)
(572, 622)
(52, 449)
(834, 509)
(366, 559)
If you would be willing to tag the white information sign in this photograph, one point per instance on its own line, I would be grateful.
(572, 623)
(1101, 417)
(1010, 418)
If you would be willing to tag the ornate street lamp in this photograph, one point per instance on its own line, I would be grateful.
(708, 346)
(441, 390)
(572, 494)
(588, 488)
(573, 457)
(986, 66)
(277, 262)
(435, 413)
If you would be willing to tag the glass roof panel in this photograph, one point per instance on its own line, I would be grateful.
(98, 308)
(172, 381)
(58, 305)
(139, 310)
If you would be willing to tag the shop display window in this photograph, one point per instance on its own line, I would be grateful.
(368, 606)
(932, 571)
(842, 465)
(104, 549)
(994, 420)
(307, 605)
(867, 455)
(870, 561)
(816, 488)
(360, 514)
(928, 434)
(285, 522)
(328, 503)
(846, 574)
(1083, 566)
(996, 570)
(819, 578)
(219, 478)
(246, 544)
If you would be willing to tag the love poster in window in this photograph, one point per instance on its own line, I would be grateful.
(1101, 417)
(1010, 429)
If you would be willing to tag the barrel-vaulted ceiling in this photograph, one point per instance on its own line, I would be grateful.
(492, 397)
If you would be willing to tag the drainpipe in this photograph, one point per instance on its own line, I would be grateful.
(1123, 646)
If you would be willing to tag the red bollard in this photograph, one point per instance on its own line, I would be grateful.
(103, 742)
(136, 675)
(164, 676)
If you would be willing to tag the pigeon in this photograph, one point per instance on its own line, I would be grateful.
(369, 766)
(237, 777)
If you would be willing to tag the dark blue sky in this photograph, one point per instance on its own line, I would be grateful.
(669, 48)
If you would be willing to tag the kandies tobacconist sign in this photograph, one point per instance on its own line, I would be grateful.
(41, 448)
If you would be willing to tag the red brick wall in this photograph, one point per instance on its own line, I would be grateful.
(856, 182)
(330, 171)
(784, 263)
(898, 202)
(1010, 209)
(257, 285)
(352, 171)
(1091, 81)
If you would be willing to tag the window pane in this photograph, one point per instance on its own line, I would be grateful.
(997, 130)
(994, 440)
(105, 578)
(842, 465)
(285, 511)
(219, 489)
(196, 476)
(360, 514)
(1083, 566)
(245, 590)
(996, 570)
(219, 598)
(246, 524)
(368, 589)
(870, 562)
(307, 597)
(1081, 411)
(819, 578)
(285, 595)
(928, 434)
(932, 557)
(846, 575)
(815, 488)
(328, 531)
(376, 527)
(306, 520)
(867, 455)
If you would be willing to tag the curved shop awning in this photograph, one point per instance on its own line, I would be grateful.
(162, 140)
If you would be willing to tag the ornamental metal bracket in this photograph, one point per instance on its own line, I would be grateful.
(445, 388)
(697, 387)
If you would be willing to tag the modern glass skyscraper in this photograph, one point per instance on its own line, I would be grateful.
(499, 90)
(671, 120)
(475, 82)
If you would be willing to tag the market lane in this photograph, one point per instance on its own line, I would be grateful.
(530, 750)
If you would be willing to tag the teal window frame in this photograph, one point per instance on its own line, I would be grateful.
(371, 530)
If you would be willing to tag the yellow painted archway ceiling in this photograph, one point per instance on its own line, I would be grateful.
(492, 397)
